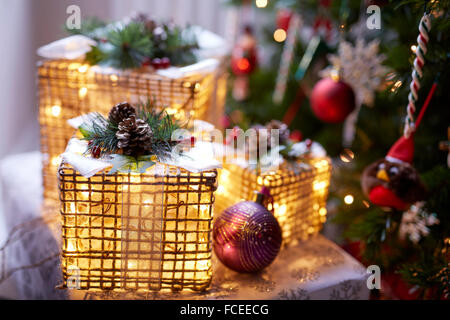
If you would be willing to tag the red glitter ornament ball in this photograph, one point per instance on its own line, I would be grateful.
(332, 101)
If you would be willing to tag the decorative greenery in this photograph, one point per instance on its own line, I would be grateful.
(103, 137)
(126, 47)
(139, 41)
(175, 43)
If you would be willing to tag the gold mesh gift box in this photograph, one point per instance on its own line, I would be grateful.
(299, 193)
(139, 232)
(69, 88)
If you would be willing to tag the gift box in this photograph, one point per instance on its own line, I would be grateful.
(70, 87)
(299, 190)
(147, 231)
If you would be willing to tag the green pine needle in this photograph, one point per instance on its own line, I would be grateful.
(127, 47)
(101, 133)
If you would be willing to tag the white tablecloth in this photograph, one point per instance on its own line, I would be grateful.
(314, 269)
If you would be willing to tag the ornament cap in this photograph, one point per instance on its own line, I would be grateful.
(402, 151)
(262, 196)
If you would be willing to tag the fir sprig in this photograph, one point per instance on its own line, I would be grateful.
(101, 132)
(126, 47)
(162, 125)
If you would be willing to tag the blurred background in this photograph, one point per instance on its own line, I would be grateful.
(25, 25)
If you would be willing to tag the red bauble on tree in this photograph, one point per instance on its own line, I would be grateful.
(243, 62)
(243, 56)
(283, 19)
(332, 101)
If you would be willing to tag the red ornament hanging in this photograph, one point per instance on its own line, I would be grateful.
(243, 62)
(332, 101)
(243, 56)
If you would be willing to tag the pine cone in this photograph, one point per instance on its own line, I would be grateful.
(135, 136)
(282, 127)
(120, 112)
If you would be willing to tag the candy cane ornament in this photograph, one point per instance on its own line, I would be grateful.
(417, 73)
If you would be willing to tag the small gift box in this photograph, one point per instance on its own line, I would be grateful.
(69, 86)
(298, 185)
(140, 222)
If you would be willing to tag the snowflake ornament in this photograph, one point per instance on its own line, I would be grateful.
(415, 223)
(360, 66)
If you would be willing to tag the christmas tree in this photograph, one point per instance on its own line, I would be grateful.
(375, 58)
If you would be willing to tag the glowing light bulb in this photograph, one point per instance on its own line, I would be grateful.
(261, 3)
(319, 185)
(55, 161)
(348, 199)
(70, 246)
(347, 155)
(83, 68)
(282, 209)
(396, 85)
(82, 92)
(56, 111)
(220, 189)
(323, 211)
(413, 48)
(114, 78)
(279, 35)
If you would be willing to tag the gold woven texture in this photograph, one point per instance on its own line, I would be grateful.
(299, 193)
(69, 88)
(141, 232)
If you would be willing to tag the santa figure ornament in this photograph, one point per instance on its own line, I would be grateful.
(393, 182)
(243, 63)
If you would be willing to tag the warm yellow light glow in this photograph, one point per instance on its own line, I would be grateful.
(299, 195)
(335, 74)
(347, 155)
(82, 92)
(70, 246)
(220, 189)
(396, 85)
(171, 111)
(56, 110)
(90, 227)
(261, 3)
(279, 35)
(282, 209)
(413, 48)
(83, 68)
(319, 185)
(348, 199)
(55, 161)
(77, 88)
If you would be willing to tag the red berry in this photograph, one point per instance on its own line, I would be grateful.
(165, 63)
(156, 63)
(95, 151)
